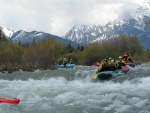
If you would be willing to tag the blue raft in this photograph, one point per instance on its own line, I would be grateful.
(67, 66)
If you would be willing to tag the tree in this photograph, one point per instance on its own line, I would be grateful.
(82, 48)
(91, 54)
(2, 36)
(78, 48)
(43, 54)
(110, 48)
(10, 53)
(69, 48)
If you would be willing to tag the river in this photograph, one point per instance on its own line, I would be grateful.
(74, 91)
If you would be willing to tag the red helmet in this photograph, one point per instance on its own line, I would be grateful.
(125, 55)
(97, 63)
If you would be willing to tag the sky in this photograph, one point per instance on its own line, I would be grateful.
(59, 16)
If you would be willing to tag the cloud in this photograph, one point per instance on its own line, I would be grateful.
(129, 12)
(59, 16)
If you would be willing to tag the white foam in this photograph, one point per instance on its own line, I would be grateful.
(81, 94)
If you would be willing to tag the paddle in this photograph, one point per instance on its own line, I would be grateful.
(133, 60)
(125, 68)
(94, 76)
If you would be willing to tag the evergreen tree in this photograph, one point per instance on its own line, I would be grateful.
(82, 48)
(69, 48)
(78, 48)
(2, 36)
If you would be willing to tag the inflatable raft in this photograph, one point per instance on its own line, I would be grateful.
(67, 66)
(105, 75)
(9, 101)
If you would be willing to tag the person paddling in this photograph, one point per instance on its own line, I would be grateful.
(104, 66)
(126, 58)
(120, 62)
(65, 62)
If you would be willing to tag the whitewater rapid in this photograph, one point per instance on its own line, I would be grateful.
(74, 91)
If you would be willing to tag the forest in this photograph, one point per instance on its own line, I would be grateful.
(44, 54)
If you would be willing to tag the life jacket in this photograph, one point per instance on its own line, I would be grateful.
(112, 67)
(105, 66)
(120, 63)
(125, 60)
(99, 69)
(70, 61)
(64, 60)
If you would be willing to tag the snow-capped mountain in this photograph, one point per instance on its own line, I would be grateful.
(96, 33)
(7, 32)
(28, 37)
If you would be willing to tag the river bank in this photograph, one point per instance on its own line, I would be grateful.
(11, 68)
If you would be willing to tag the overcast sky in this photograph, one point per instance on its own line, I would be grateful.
(59, 16)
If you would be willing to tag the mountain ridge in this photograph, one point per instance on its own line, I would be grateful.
(28, 37)
(85, 34)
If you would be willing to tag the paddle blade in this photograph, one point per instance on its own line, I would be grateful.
(95, 76)
(125, 68)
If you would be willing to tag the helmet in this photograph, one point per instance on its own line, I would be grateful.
(105, 60)
(120, 56)
(112, 61)
(97, 63)
(110, 58)
(125, 55)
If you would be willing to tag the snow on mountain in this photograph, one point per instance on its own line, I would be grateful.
(28, 37)
(7, 32)
(144, 8)
(96, 33)
(85, 34)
